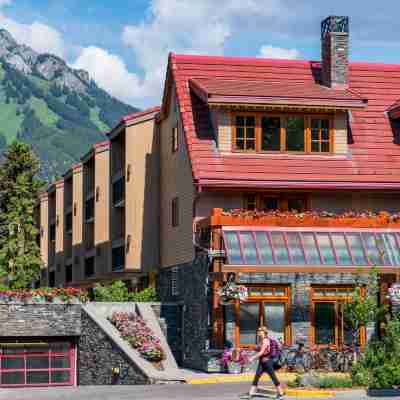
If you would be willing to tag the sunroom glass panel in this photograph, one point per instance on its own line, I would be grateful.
(311, 249)
(264, 248)
(342, 252)
(383, 248)
(371, 246)
(233, 248)
(249, 248)
(391, 248)
(280, 249)
(295, 248)
(356, 248)
(325, 246)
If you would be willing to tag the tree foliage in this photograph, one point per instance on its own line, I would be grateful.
(364, 307)
(19, 252)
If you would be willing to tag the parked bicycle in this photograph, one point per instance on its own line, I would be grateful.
(303, 359)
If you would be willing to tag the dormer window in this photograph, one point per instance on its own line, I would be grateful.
(265, 132)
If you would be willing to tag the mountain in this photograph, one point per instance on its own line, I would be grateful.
(58, 110)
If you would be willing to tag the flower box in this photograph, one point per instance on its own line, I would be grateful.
(354, 219)
(234, 367)
(43, 295)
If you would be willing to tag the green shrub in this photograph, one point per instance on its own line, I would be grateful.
(333, 382)
(379, 367)
(116, 292)
(148, 295)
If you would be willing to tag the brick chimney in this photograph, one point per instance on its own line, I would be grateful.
(335, 51)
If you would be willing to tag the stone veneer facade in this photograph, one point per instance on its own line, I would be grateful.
(97, 356)
(191, 288)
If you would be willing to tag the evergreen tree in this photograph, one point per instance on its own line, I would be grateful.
(19, 253)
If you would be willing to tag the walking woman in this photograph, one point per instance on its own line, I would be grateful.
(266, 352)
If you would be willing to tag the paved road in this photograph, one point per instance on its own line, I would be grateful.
(166, 392)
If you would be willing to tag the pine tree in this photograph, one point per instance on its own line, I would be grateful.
(19, 253)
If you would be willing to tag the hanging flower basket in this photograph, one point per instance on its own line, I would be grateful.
(232, 292)
(394, 294)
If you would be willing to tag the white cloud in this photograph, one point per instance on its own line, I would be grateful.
(42, 38)
(267, 51)
(109, 71)
(185, 26)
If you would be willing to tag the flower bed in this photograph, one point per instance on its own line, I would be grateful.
(135, 331)
(364, 219)
(44, 295)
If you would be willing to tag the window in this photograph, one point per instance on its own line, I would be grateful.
(68, 274)
(89, 210)
(245, 133)
(119, 191)
(52, 233)
(118, 258)
(175, 212)
(329, 326)
(68, 222)
(270, 134)
(283, 202)
(320, 137)
(251, 202)
(89, 267)
(52, 278)
(33, 364)
(284, 133)
(175, 139)
(266, 305)
(295, 134)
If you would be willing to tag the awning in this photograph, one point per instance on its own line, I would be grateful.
(311, 246)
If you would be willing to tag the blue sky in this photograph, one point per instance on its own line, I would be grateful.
(124, 43)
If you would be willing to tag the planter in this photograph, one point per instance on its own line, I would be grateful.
(383, 392)
(234, 367)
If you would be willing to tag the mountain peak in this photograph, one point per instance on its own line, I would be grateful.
(56, 109)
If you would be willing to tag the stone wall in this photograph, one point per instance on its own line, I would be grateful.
(97, 355)
(188, 283)
(47, 319)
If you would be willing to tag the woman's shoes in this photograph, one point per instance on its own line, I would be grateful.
(279, 397)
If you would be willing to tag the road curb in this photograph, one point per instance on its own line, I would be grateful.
(309, 393)
(235, 378)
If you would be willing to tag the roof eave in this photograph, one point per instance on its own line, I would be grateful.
(334, 185)
(284, 101)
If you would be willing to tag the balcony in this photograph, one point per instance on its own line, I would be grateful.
(89, 210)
(119, 192)
(118, 258)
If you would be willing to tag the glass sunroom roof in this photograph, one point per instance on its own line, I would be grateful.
(311, 246)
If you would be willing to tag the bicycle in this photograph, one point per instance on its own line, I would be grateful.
(296, 358)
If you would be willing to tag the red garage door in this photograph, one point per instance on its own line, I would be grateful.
(37, 364)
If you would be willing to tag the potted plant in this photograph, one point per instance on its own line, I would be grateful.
(234, 360)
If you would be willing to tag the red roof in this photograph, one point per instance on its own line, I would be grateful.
(139, 114)
(373, 160)
(245, 91)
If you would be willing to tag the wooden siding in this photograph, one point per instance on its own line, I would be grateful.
(176, 181)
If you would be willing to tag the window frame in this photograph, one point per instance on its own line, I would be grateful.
(283, 117)
(175, 140)
(286, 299)
(337, 301)
(282, 198)
(175, 212)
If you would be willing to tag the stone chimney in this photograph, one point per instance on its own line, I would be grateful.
(335, 51)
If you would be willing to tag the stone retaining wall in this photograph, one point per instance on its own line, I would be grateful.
(40, 319)
(97, 356)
